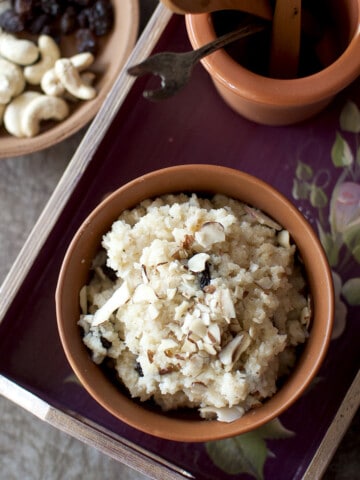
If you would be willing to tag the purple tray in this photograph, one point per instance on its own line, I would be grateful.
(197, 127)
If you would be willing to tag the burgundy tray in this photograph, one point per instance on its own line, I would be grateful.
(305, 162)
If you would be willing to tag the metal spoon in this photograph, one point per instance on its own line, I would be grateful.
(260, 8)
(175, 69)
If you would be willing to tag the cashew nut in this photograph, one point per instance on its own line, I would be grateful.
(52, 85)
(70, 78)
(41, 108)
(83, 60)
(49, 53)
(13, 112)
(12, 80)
(87, 78)
(22, 52)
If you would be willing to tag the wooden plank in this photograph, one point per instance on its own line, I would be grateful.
(335, 432)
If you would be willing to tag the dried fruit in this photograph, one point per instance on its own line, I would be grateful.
(85, 41)
(57, 18)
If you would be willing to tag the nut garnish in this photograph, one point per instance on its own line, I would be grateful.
(213, 301)
(197, 263)
(210, 233)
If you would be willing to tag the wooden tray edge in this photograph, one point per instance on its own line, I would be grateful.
(335, 432)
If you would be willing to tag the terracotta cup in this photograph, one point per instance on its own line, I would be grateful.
(75, 271)
(272, 101)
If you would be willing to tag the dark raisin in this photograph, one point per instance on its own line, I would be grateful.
(109, 273)
(83, 18)
(102, 18)
(68, 21)
(138, 369)
(84, 3)
(51, 31)
(205, 277)
(23, 6)
(105, 342)
(85, 41)
(36, 24)
(51, 7)
(12, 22)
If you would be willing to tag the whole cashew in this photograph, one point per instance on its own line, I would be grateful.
(70, 78)
(13, 112)
(49, 53)
(83, 60)
(51, 85)
(87, 78)
(41, 108)
(12, 81)
(22, 52)
(50, 82)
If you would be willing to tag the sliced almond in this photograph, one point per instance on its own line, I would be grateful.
(118, 298)
(198, 327)
(210, 233)
(225, 414)
(283, 238)
(197, 263)
(213, 334)
(226, 303)
(210, 349)
(230, 353)
(188, 241)
(262, 218)
(83, 299)
(188, 346)
(144, 293)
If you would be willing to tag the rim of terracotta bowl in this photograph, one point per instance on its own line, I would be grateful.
(319, 86)
(85, 243)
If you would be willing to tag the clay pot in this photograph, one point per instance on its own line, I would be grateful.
(75, 272)
(272, 101)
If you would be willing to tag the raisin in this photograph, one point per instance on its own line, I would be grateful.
(23, 6)
(36, 25)
(102, 17)
(51, 7)
(84, 3)
(139, 370)
(109, 273)
(105, 342)
(51, 31)
(68, 21)
(83, 18)
(85, 41)
(205, 277)
(11, 22)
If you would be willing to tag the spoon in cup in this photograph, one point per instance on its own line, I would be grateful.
(175, 69)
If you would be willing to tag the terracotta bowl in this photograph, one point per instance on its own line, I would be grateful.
(272, 101)
(114, 49)
(75, 271)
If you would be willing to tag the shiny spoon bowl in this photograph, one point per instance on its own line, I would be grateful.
(175, 69)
